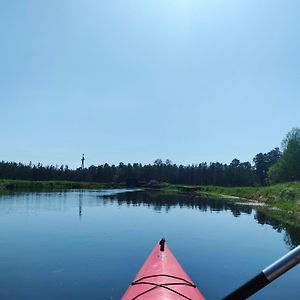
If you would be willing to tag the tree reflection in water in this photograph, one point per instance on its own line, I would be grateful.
(160, 201)
(292, 232)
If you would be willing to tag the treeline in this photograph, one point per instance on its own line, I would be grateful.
(287, 167)
(234, 174)
(273, 166)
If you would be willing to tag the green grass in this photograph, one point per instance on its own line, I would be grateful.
(284, 197)
(7, 185)
(270, 194)
(267, 194)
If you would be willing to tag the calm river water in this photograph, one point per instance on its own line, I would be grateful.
(90, 244)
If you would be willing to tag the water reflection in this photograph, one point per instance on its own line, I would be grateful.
(80, 205)
(43, 235)
(165, 202)
(33, 203)
(292, 232)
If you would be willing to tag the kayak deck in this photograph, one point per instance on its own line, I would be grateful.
(162, 278)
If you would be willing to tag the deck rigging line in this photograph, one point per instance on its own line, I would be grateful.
(163, 285)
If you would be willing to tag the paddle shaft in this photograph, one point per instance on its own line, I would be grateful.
(269, 274)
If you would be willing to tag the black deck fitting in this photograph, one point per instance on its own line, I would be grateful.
(162, 244)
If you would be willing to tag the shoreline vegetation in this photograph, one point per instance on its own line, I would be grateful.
(12, 185)
(281, 201)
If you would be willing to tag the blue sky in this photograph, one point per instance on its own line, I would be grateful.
(133, 81)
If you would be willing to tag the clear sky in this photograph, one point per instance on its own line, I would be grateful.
(136, 80)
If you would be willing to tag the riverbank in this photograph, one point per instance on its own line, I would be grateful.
(8, 185)
(282, 201)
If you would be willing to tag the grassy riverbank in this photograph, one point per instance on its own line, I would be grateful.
(283, 199)
(7, 185)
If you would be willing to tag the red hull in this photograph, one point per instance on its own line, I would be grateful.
(162, 278)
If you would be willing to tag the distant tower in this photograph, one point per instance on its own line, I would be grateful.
(82, 161)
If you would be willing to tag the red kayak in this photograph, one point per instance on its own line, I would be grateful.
(162, 278)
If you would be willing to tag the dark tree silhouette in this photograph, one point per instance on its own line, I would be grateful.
(285, 166)
(235, 174)
(263, 162)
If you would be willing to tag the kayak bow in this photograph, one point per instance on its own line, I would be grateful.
(162, 278)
